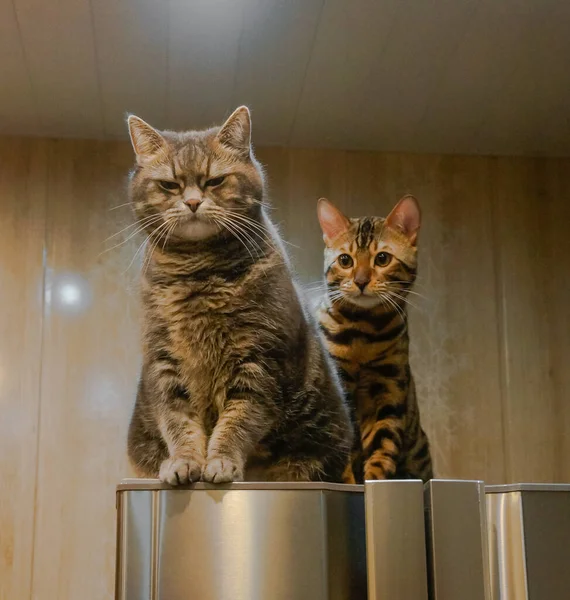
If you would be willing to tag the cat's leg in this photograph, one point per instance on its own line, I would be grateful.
(182, 432)
(168, 408)
(353, 471)
(146, 448)
(348, 475)
(240, 426)
(186, 442)
(382, 447)
(418, 461)
(247, 416)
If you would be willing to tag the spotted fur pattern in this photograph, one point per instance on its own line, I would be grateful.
(364, 320)
(235, 383)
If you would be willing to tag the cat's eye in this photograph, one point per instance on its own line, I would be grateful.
(169, 186)
(215, 181)
(345, 261)
(383, 259)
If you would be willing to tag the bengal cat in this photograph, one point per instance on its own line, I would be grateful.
(235, 383)
(370, 267)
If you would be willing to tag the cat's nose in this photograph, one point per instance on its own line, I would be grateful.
(193, 203)
(361, 280)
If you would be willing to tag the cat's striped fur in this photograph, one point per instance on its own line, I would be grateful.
(235, 381)
(364, 320)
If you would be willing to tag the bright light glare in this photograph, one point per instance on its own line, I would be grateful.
(69, 294)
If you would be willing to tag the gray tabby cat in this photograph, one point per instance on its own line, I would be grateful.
(235, 381)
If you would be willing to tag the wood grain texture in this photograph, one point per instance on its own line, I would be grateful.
(89, 373)
(490, 331)
(23, 179)
(530, 204)
(555, 179)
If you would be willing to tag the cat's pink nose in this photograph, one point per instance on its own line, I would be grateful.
(193, 203)
(361, 280)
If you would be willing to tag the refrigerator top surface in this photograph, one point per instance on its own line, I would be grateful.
(527, 487)
(155, 484)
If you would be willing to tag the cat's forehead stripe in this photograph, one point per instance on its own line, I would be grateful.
(365, 232)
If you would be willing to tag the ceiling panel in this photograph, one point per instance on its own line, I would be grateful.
(519, 119)
(203, 57)
(17, 108)
(445, 76)
(420, 45)
(348, 43)
(274, 53)
(132, 56)
(60, 54)
(475, 78)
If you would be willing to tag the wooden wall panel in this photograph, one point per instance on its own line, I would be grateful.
(89, 373)
(530, 202)
(555, 179)
(490, 342)
(22, 229)
(520, 216)
(466, 317)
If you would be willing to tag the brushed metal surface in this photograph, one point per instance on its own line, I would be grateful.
(346, 545)
(546, 521)
(156, 484)
(134, 545)
(395, 540)
(241, 544)
(506, 546)
(529, 538)
(527, 487)
(456, 531)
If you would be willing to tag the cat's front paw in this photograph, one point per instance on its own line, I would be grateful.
(222, 470)
(180, 470)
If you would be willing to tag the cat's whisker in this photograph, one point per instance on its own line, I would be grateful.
(383, 302)
(255, 246)
(247, 234)
(169, 232)
(136, 253)
(398, 309)
(403, 299)
(414, 293)
(260, 227)
(120, 206)
(315, 288)
(262, 231)
(255, 229)
(158, 234)
(143, 221)
(406, 290)
(142, 245)
(255, 201)
(218, 220)
(141, 226)
(416, 283)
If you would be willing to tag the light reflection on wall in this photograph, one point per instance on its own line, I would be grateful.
(69, 293)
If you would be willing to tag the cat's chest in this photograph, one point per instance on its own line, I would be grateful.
(202, 326)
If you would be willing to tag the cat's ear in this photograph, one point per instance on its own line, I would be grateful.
(148, 144)
(235, 133)
(333, 222)
(406, 217)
